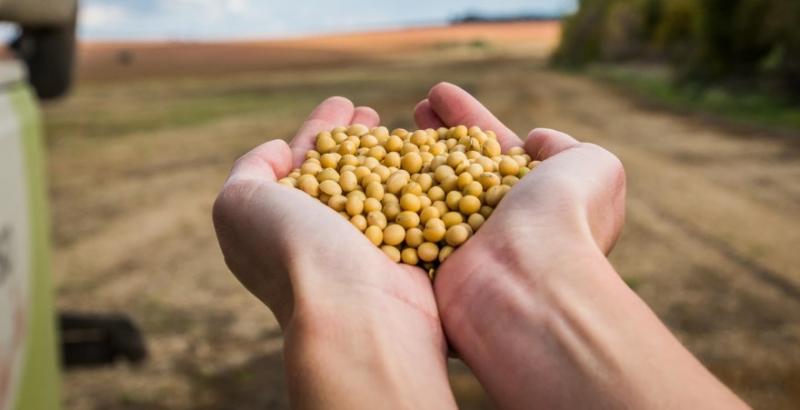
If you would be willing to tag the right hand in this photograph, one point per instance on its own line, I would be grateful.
(532, 305)
(573, 202)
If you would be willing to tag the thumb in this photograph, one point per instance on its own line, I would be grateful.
(266, 163)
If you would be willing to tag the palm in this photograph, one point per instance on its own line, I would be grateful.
(318, 235)
(283, 245)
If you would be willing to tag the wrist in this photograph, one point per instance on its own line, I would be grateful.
(515, 326)
(513, 261)
(360, 317)
(562, 329)
(387, 358)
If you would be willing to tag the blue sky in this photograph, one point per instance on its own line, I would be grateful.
(232, 19)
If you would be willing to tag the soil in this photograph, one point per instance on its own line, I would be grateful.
(136, 160)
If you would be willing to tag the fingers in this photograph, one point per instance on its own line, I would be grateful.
(425, 117)
(332, 112)
(597, 177)
(454, 106)
(366, 116)
(266, 162)
(543, 143)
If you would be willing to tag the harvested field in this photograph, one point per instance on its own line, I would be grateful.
(139, 151)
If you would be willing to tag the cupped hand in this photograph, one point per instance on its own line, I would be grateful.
(531, 303)
(578, 188)
(574, 200)
(320, 276)
(293, 252)
(570, 206)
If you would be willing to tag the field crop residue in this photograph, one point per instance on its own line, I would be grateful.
(139, 150)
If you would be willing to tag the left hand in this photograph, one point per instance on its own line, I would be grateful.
(342, 303)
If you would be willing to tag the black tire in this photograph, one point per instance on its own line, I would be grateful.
(49, 53)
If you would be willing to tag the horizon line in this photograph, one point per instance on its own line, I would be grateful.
(455, 20)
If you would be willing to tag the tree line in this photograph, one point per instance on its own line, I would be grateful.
(741, 43)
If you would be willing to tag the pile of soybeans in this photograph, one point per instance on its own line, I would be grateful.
(416, 195)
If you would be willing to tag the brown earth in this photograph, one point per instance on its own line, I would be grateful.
(117, 61)
(710, 243)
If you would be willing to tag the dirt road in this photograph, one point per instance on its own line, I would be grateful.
(711, 241)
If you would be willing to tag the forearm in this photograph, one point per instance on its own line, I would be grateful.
(347, 357)
(571, 333)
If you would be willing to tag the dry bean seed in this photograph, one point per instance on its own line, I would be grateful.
(348, 181)
(354, 206)
(452, 200)
(412, 188)
(509, 180)
(474, 188)
(508, 166)
(452, 219)
(486, 211)
(290, 182)
(414, 237)
(375, 190)
(428, 252)
(475, 221)
(391, 210)
(337, 202)
(441, 206)
(370, 179)
(445, 252)
(377, 218)
(488, 180)
(392, 252)
(359, 222)
(325, 142)
(369, 141)
(371, 205)
(494, 195)
(464, 179)
(408, 219)
(309, 185)
(357, 130)
(428, 213)
(435, 230)
(394, 234)
(456, 235)
(469, 204)
(409, 256)
(330, 188)
(424, 201)
(410, 202)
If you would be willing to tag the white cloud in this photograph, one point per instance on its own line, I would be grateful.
(238, 6)
(208, 10)
(102, 15)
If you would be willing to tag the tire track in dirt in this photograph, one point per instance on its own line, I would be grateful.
(760, 272)
(717, 216)
(756, 233)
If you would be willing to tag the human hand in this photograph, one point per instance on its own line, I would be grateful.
(342, 303)
(530, 302)
(572, 202)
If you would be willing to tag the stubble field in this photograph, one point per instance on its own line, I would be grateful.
(138, 152)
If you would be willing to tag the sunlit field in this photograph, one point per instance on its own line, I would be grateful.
(139, 150)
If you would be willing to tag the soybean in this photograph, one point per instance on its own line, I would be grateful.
(417, 195)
